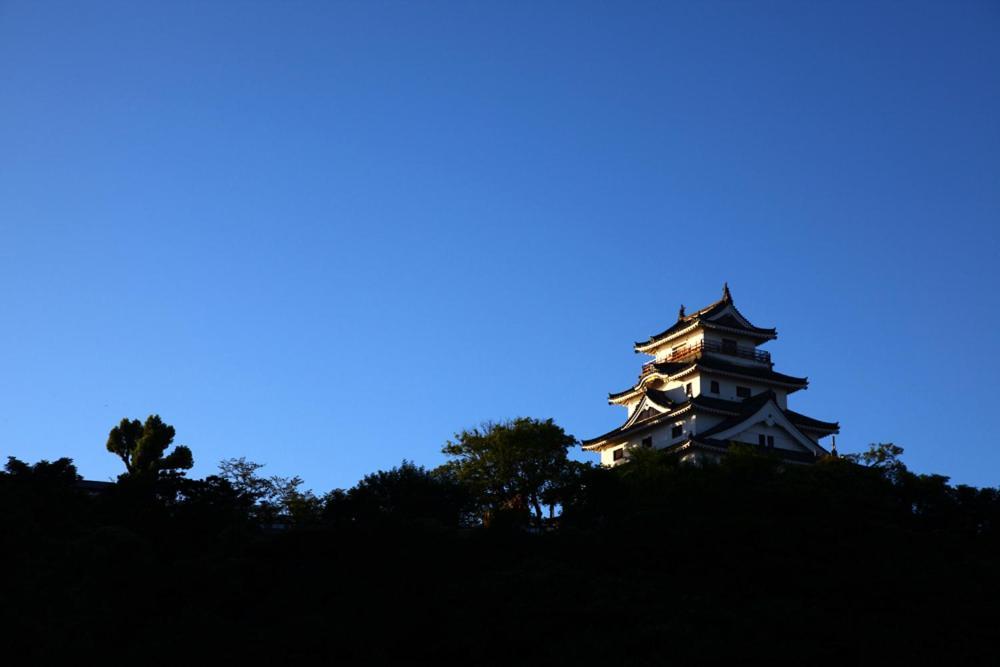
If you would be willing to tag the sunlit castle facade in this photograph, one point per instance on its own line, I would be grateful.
(707, 387)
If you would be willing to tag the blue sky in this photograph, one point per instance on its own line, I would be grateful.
(326, 236)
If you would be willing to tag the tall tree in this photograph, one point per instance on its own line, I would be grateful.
(511, 464)
(142, 447)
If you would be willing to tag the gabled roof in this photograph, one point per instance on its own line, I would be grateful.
(700, 403)
(664, 369)
(632, 424)
(648, 407)
(721, 315)
(752, 410)
(737, 412)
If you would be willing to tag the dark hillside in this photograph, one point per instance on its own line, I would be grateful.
(652, 562)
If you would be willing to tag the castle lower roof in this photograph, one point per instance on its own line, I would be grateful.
(721, 446)
(672, 410)
(735, 411)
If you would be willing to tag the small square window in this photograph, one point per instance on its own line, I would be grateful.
(677, 431)
(714, 387)
(647, 442)
(743, 392)
(618, 454)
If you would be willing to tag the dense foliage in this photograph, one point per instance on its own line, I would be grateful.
(851, 559)
(511, 466)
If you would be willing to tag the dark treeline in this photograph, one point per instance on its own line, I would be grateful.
(509, 553)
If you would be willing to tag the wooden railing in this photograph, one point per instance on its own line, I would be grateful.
(714, 346)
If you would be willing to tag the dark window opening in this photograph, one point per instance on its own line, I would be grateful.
(619, 454)
(760, 440)
(743, 392)
(647, 442)
(714, 387)
(677, 431)
(687, 389)
(770, 442)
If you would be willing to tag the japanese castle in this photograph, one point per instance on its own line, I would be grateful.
(707, 387)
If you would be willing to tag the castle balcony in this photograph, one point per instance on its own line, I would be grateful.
(713, 346)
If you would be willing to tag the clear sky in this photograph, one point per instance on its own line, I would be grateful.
(326, 236)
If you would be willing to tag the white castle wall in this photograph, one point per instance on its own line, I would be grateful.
(661, 435)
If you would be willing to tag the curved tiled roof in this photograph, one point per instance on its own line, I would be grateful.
(802, 421)
(660, 398)
(674, 367)
(714, 364)
(704, 317)
(622, 394)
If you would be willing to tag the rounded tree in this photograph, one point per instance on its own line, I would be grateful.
(511, 464)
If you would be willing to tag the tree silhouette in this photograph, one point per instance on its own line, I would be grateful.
(266, 498)
(142, 447)
(883, 457)
(403, 495)
(60, 472)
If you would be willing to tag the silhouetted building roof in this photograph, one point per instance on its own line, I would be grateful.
(93, 487)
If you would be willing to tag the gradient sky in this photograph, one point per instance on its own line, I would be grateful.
(326, 236)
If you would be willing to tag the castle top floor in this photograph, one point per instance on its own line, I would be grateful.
(718, 328)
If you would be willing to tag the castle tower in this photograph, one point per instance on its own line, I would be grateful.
(707, 387)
